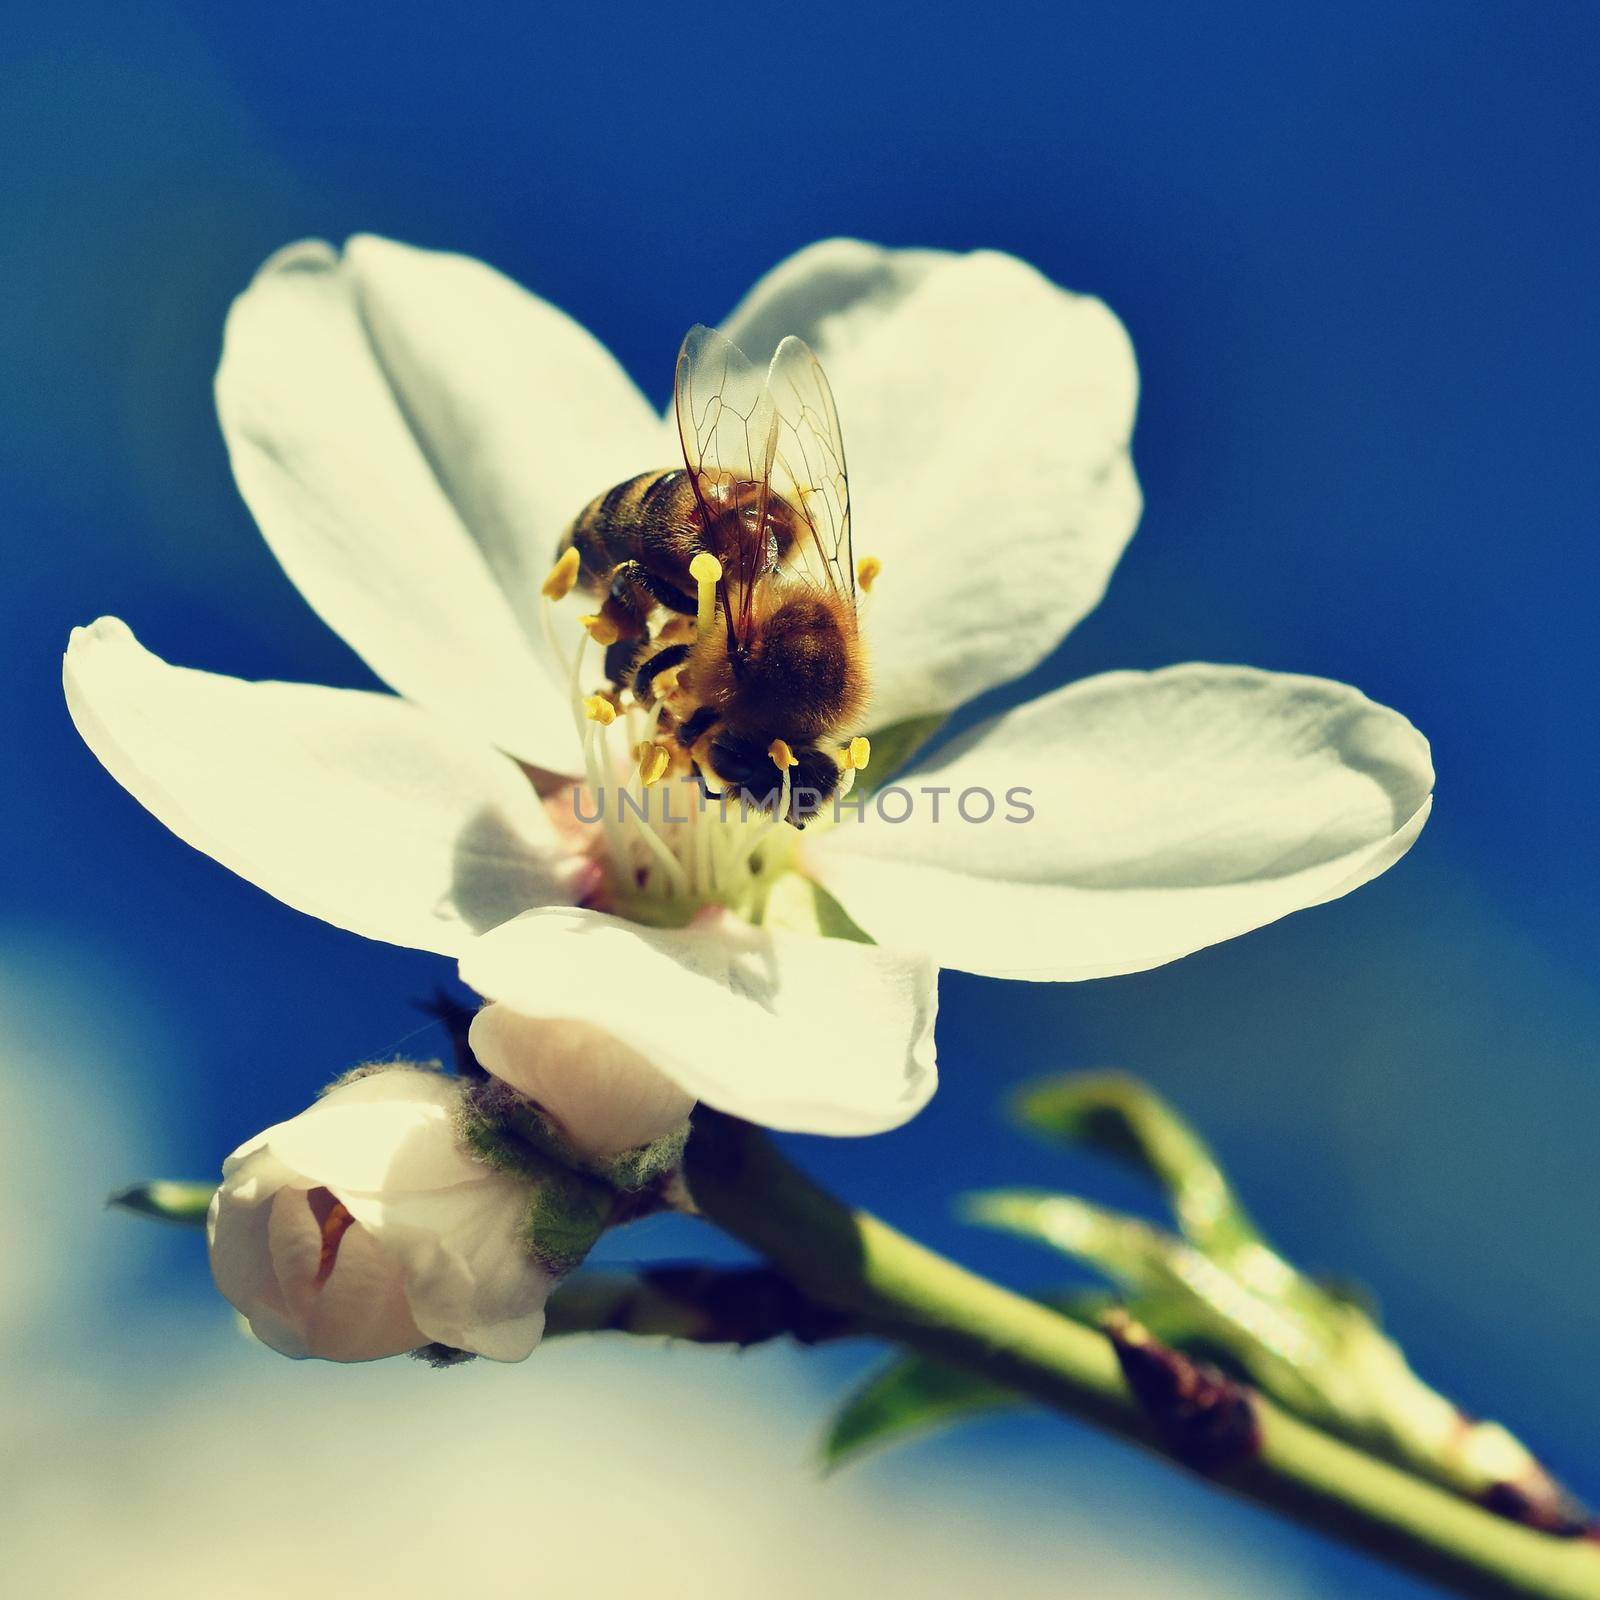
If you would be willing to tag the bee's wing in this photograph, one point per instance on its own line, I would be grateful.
(729, 429)
(809, 471)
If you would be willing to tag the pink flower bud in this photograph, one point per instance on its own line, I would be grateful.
(361, 1229)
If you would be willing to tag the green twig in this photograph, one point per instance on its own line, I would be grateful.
(893, 1287)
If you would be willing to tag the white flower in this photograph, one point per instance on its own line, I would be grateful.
(414, 432)
(785, 1029)
(360, 1229)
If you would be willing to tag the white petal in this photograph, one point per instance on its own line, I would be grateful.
(1172, 810)
(392, 1131)
(986, 416)
(606, 1097)
(800, 1033)
(358, 808)
(237, 1225)
(365, 494)
(357, 1313)
(469, 1281)
(524, 415)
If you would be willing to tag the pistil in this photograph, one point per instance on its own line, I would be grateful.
(706, 571)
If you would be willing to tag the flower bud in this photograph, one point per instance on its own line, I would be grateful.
(605, 1097)
(361, 1229)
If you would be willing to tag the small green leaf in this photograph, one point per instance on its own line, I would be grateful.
(167, 1200)
(1121, 1116)
(1188, 1299)
(911, 1396)
(908, 1397)
(1135, 1255)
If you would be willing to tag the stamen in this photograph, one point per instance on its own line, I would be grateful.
(699, 857)
(598, 768)
(547, 622)
(698, 863)
(858, 753)
(783, 759)
(563, 576)
(706, 571)
(601, 628)
(782, 814)
(587, 722)
(595, 713)
(588, 730)
(867, 570)
(654, 760)
(653, 763)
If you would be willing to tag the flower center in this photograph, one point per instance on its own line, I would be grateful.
(669, 845)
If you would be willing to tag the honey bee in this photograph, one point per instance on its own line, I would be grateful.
(774, 666)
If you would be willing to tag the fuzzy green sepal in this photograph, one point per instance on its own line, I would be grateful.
(369, 1068)
(637, 1169)
(510, 1133)
(567, 1212)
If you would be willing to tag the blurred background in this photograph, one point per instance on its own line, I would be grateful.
(1356, 248)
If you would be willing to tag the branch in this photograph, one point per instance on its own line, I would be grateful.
(704, 1305)
(888, 1285)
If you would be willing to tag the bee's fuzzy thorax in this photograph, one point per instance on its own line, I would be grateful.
(803, 675)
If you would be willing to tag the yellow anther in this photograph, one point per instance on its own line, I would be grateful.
(665, 683)
(781, 756)
(706, 571)
(867, 570)
(858, 753)
(653, 764)
(601, 628)
(597, 708)
(563, 575)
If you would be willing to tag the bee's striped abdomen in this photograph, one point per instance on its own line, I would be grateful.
(635, 543)
(649, 519)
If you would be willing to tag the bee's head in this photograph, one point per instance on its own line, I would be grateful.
(744, 764)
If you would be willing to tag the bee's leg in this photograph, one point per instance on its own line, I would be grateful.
(672, 598)
(624, 607)
(638, 583)
(622, 661)
(690, 733)
(697, 727)
(647, 671)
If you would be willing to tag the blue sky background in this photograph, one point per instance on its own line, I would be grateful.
(1356, 248)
